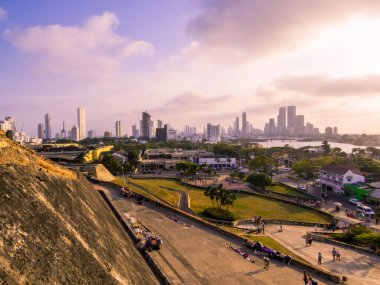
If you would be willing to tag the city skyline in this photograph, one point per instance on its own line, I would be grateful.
(124, 57)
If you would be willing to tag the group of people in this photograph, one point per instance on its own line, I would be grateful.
(335, 253)
(308, 279)
(309, 240)
(308, 202)
(258, 221)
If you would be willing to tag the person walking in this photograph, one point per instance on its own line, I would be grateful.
(307, 240)
(333, 252)
(310, 240)
(337, 254)
(266, 263)
(305, 279)
(319, 258)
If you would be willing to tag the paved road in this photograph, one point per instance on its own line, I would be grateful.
(195, 255)
(361, 269)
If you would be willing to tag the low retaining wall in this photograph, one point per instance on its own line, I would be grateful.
(283, 222)
(160, 274)
(320, 238)
(309, 267)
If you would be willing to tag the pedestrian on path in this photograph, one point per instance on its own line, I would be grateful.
(266, 263)
(337, 254)
(305, 279)
(280, 228)
(307, 241)
(310, 240)
(334, 253)
(319, 258)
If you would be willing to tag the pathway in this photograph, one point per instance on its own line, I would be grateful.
(360, 268)
(195, 256)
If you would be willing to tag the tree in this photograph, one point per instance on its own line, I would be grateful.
(112, 164)
(227, 198)
(326, 147)
(9, 134)
(302, 168)
(260, 180)
(262, 162)
(134, 158)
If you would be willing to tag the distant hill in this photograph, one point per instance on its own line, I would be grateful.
(55, 229)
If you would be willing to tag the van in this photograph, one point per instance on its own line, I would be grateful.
(367, 211)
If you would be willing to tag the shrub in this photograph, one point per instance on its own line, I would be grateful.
(219, 214)
(371, 240)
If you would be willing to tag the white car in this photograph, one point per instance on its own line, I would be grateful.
(302, 187)
(367, 211)
(354, 201)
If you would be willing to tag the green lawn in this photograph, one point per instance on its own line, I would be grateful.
(152, 186)
(267, 241)
(283, 189)
(121, 182)
(245, 207)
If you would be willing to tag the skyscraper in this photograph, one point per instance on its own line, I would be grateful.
(213, 133)
(237, 126)
(82, 123)
(281, 120)
(291, 128)
(160, 124)
(300, 125)
(146, 126)
(91, 134)
(119, 130)
(135, 131)
(41, 131)
(244, 124)
(48, 130)
(63, 132)
(75, 133)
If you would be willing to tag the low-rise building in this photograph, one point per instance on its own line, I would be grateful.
(334, 177)
(216, 161)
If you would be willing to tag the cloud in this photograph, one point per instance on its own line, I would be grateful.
(91, 50)
(324, 85)
(3, 14)
(241, 29)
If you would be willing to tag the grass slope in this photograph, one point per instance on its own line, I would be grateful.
(245, 207)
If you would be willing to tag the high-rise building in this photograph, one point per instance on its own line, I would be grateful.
(82, 123)
(135, 131)
(12, 122)
(335, 131)
(272, 127)
(328, 131)
(291, 128)
(107, 134)
(48, 130)
(213, 133)
(309, 129)
(41, 131)
(244, 124)
(160, 124)
(146, 126)
(75, 133)
(237, 126)
(162, 133)
(91, 134)
(119, 129)
(63, 132)
(281, 121)
(300, 125)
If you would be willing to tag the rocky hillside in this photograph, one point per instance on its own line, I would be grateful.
(55, 229)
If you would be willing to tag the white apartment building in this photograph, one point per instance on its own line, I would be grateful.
(216, 161)
(334, 177)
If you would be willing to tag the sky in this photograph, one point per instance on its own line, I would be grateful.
(190, 62)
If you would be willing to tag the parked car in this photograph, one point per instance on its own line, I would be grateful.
(354, 201)
(367, 211)
(301, 187)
